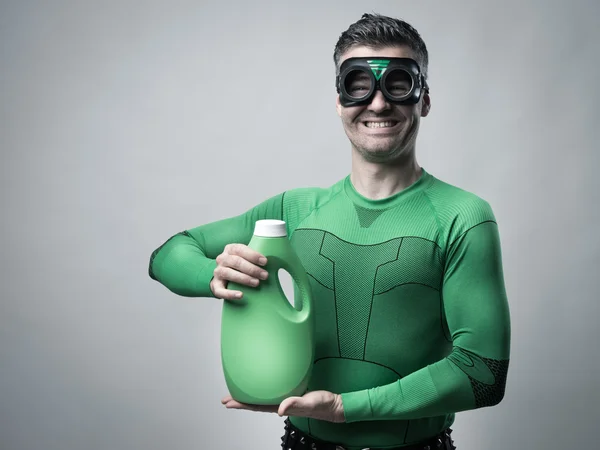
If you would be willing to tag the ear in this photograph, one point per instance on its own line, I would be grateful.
(425, 105)
(338, 105)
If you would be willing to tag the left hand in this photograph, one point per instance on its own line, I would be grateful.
(321, 405)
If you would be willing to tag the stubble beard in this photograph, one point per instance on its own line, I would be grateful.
(401, 149)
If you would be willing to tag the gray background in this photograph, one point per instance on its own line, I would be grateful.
(122, 123)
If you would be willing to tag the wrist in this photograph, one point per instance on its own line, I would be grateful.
(339, 408)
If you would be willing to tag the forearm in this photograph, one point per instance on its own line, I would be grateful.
(441, 388)
(184, 264)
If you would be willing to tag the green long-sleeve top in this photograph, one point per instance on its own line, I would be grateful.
(412, 318)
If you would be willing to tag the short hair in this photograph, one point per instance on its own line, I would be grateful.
(376, 31)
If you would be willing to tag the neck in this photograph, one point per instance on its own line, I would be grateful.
(381, 180)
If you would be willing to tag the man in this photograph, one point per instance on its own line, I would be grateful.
(412, 319)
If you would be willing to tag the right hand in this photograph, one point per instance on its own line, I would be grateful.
(240, 264)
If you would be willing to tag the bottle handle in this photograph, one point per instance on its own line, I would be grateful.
(302, 287)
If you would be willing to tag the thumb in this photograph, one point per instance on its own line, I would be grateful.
(289, 404)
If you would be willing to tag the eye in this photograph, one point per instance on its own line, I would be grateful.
(398, 82)
(399, 88)
(357, 83)
(358, 88)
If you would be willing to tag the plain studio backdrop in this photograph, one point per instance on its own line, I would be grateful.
(122, 123)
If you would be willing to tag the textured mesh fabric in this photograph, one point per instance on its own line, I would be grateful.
(411, 311)
(490, 394)
(184, 264)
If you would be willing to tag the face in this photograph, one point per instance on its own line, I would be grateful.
(382, 132)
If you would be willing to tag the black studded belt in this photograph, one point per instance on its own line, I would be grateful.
(294, 439)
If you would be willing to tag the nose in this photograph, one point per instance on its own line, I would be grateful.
(379, 103)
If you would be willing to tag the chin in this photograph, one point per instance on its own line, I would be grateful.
(383, 154)
(378, 155)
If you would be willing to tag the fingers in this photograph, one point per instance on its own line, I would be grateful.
(239, 264)
(252, 273)
(244, 259)
(320, 405)
(246, 253)
(233, 404)
(220, 290)
(227, 274)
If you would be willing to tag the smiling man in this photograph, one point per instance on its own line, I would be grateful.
(412, 319)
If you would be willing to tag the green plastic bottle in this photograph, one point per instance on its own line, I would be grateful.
(268, 344)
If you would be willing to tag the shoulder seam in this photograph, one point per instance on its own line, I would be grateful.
(437, 219)
(469, 229)
(316, 208)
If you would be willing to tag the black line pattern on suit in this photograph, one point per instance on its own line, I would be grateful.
(442, 315)
(370, 245)
(315, 278)
(356, 359)
(402, 284)
(467, 230)
(337, 327)
(373, 295)
(325, 232)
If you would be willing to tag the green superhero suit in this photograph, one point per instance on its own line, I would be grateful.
(412, 318)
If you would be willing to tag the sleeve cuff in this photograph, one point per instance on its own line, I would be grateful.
(357, 406)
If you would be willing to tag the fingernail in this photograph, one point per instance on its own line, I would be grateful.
(238, 295)
(264, 275)
(254, 282)
(262, 260)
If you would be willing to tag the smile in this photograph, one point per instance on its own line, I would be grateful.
(388, 124)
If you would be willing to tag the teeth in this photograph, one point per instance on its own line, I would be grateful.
(379, 124)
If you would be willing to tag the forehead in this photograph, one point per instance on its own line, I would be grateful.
(361, 51)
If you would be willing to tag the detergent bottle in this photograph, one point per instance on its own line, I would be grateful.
(267, 344)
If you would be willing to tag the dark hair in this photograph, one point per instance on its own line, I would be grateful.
(375, 31)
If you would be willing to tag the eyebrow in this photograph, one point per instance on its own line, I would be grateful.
(361, 76)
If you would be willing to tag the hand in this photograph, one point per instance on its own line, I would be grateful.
(240, 264)
(321, 405)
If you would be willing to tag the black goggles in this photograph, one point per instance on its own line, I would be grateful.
(399, 79)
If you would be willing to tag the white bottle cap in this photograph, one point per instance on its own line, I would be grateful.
(270, 228)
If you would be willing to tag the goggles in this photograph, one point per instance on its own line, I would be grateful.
(399, 79)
